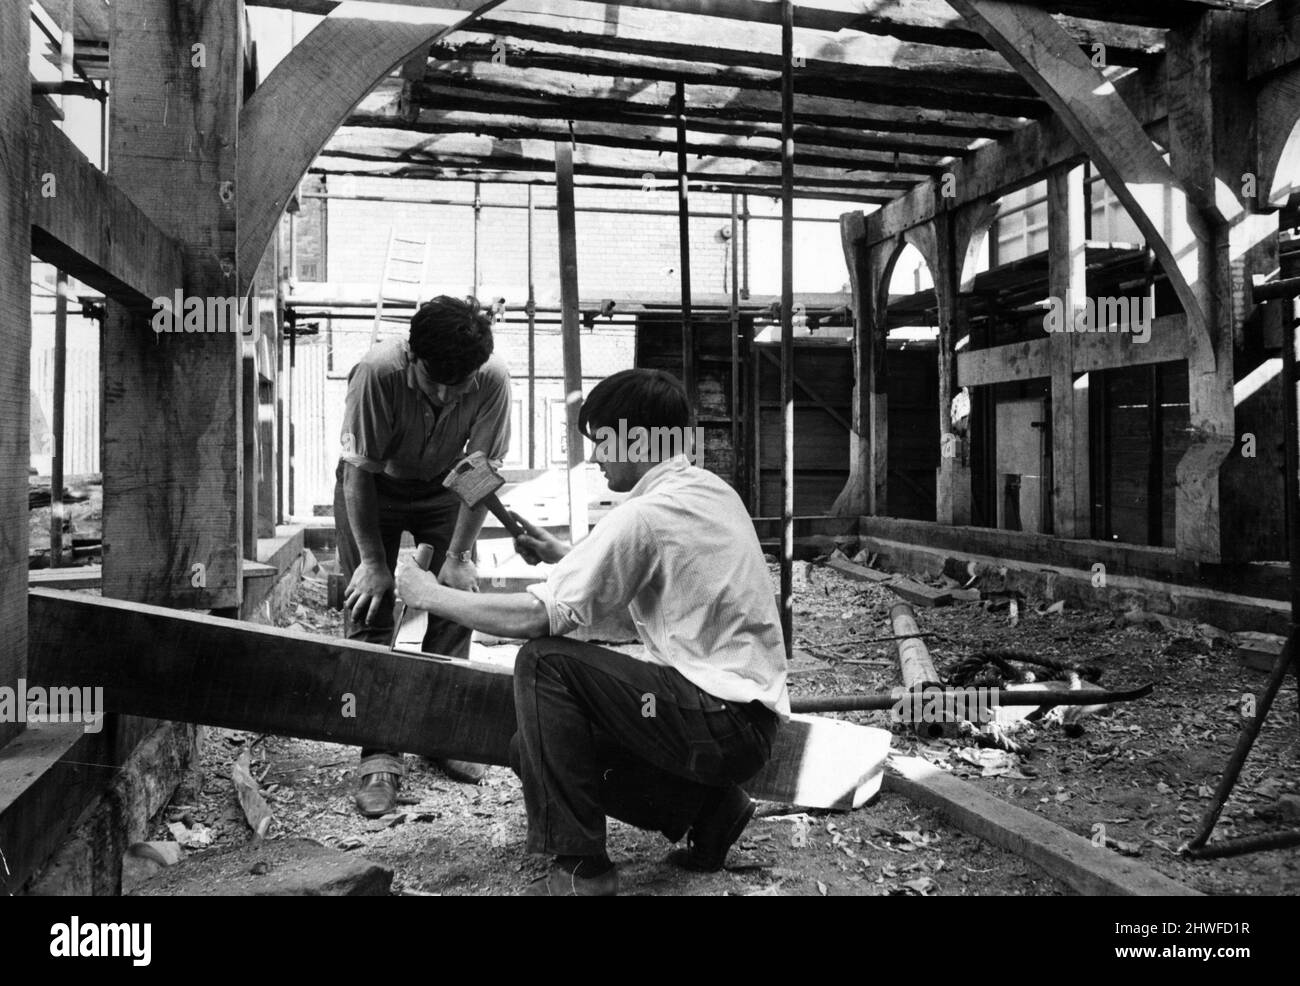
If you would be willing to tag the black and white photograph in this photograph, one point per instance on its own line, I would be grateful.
(652, 448)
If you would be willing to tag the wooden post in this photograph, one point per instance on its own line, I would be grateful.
(1229, 506)
(16, 341)
(787, 323)
(952, 505)
(570, 338)
(478, 226)
(249, 438)
(56, 417)
(67, 44)
(756, 430)
(684, 250)
(1066, 270)
(855, 499)
(172, 459)
(270, 315)
(878, 264)
(531, 309)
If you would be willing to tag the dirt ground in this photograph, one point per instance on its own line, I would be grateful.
(1143, 770)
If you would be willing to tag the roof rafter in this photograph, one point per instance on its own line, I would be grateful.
(397, 101)
(720, 100)
(661, 138)
(380, 144)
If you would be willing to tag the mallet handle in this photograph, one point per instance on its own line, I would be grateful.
(499, 511)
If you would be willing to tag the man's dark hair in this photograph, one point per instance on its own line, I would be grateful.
(648, 398)
(452, 336)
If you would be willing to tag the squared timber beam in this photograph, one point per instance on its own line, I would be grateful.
(204, 669)
(85, 225)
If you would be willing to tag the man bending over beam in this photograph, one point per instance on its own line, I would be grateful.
(661, 741)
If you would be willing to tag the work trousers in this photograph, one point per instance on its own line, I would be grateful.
(430, 519)
(603, 734)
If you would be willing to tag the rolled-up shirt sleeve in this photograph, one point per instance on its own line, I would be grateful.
(601, 575)
(368, 413)
(490, 433)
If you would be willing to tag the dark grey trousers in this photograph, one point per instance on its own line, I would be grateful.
(430, 519)
(603, 734)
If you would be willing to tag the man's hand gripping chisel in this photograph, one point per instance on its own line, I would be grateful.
(423, 559)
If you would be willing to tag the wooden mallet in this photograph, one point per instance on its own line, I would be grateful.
(475, 481)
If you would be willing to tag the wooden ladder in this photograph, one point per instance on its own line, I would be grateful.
(406, 272)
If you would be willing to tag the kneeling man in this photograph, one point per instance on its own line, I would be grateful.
(661, 741)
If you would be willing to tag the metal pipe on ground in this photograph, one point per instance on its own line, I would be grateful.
(1029, 695)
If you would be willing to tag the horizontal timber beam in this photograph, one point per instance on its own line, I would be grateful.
(1016, 159)
(189, 667)
(585, 25)
(634, 137)
(626, 180)
(1272, 39)
(91, 229)
(389, 147)
(506, 108)
(888, 86)
(725, 98)
(1093, 351)
(1088, 869)
(998, 364)
(912, 19)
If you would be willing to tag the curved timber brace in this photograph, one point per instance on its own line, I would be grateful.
(291, 115)
(1089, 107)
(1095, 115)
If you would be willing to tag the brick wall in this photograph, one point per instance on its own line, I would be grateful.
(619, 255)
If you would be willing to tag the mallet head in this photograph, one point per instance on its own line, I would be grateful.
(473, 479)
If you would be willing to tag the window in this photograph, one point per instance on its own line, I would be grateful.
(1021, 226)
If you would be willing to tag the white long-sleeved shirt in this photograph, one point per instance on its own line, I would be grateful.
(681, 556)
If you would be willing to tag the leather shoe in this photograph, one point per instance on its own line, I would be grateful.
(559, 882)
(713, 833)
(377, 794)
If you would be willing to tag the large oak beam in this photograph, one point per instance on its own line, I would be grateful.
(91, 229)
(726, 96)
(1092, 351)
(954, 91)
(194, 668)
(1097, 117)
(291, 115)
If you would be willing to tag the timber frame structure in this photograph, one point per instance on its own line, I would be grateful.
(925, 113)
